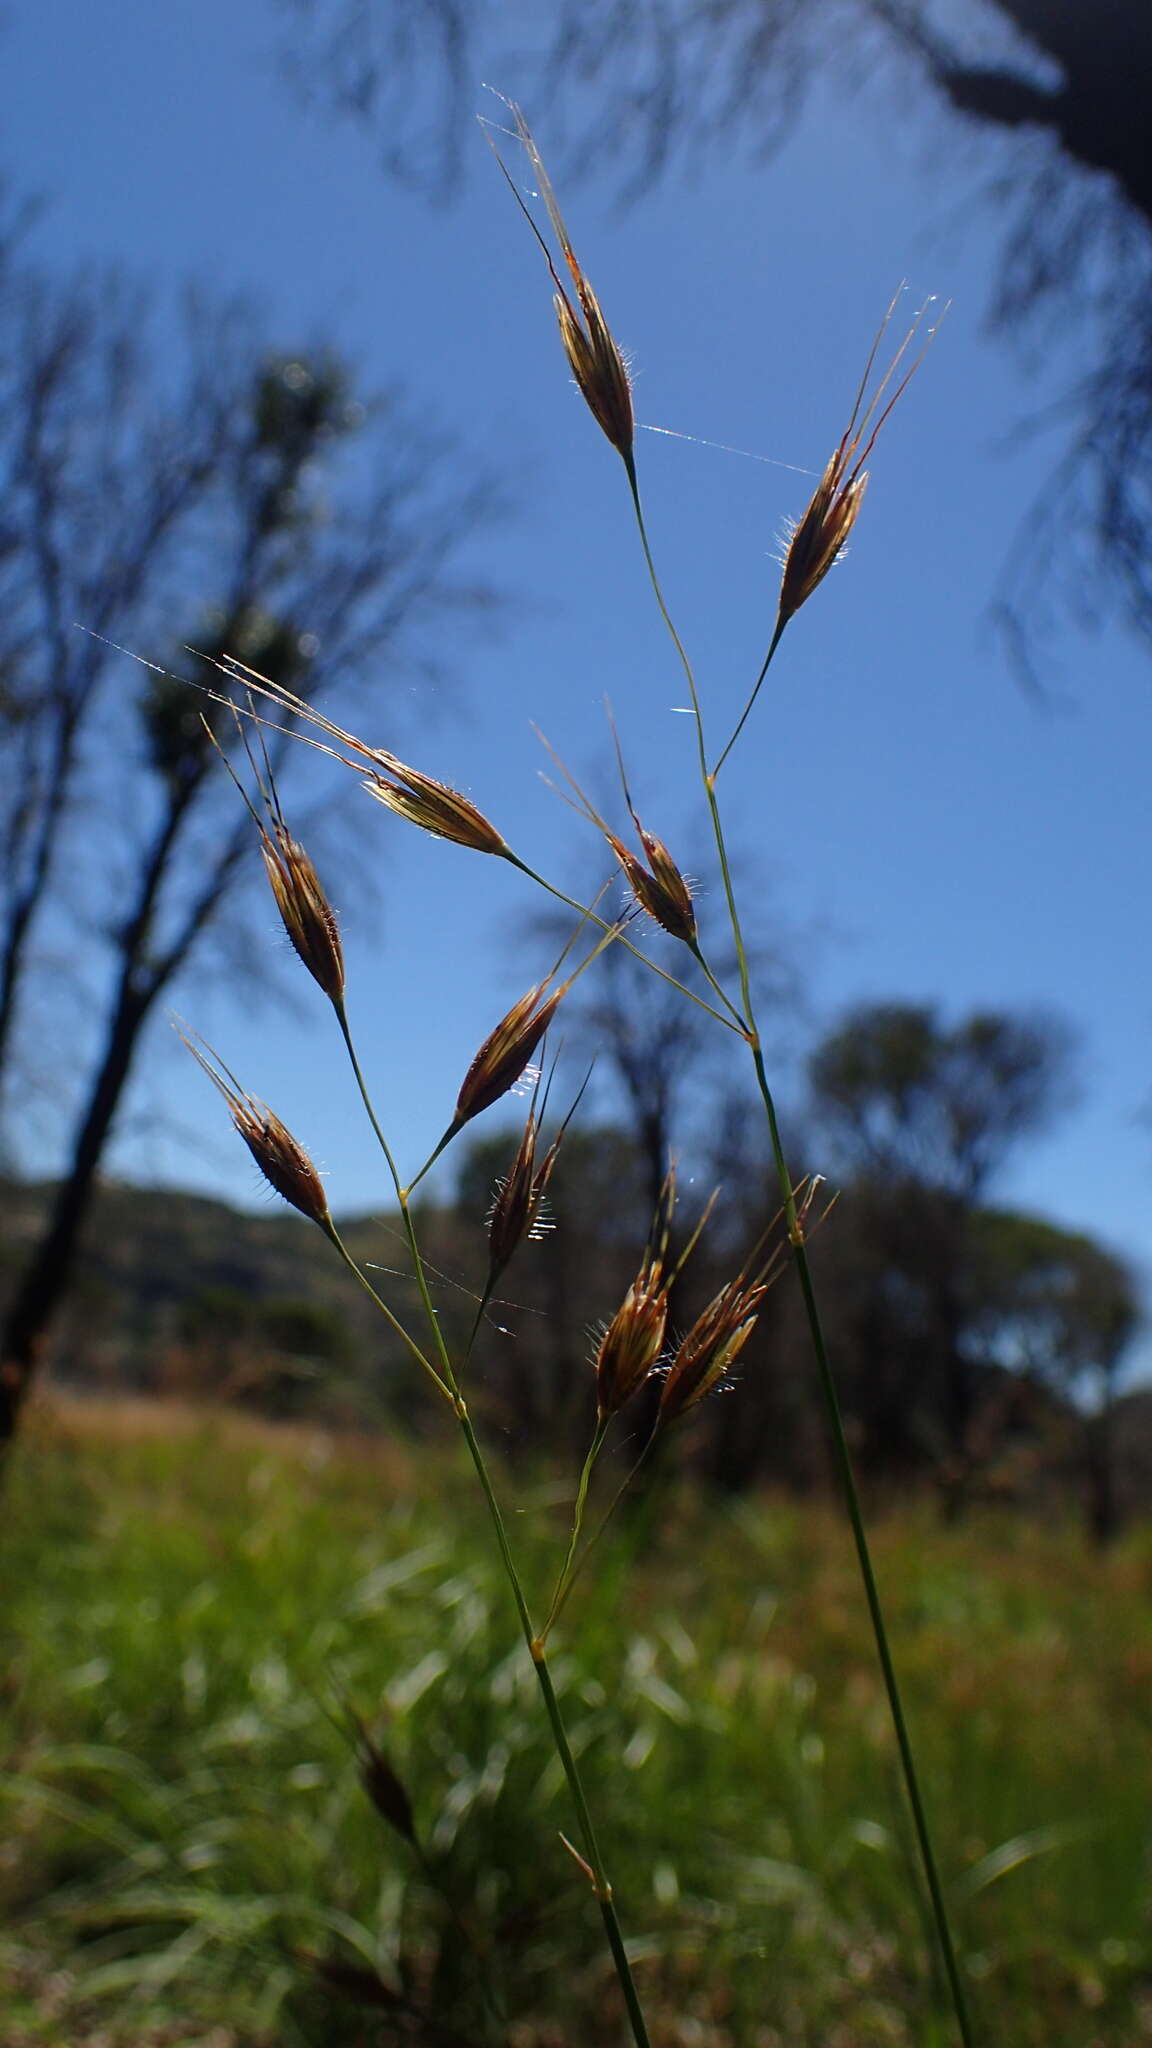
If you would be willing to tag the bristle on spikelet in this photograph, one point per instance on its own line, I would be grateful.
(306, 914)
(283, 1162)
(505, 1053)
(422, 799)
(594, 359)
(703, 1358)
(818, 538)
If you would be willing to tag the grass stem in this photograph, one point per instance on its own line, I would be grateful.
(842, 1454)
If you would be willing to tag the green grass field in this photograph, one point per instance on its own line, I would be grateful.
(191, 1602)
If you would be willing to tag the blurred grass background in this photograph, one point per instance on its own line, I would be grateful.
(192, 1600)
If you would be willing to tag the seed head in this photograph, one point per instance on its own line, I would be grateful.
(631, 1348)
(433, 806)
(659, 888)
(420, 798)
(821, 534)
(717, 1337)
(307, 915)
(386, 1790)
(593, 356)
(505, 1053)
(520, 1198)
(819, 537)
(595, 361)
(305, 911)
(283, 1162)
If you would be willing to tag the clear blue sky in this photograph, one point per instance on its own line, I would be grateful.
(928, 829)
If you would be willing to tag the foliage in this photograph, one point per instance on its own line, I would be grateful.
(192, 1599)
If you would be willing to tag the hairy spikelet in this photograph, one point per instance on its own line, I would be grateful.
(505, 1053)
(434, 807)
(660, 889)
(820, 535)
(818, 538)
(703, 1358)
(594, 359)
(520, 1198)
(632, 1346)
(305, 911)
(283, 1162)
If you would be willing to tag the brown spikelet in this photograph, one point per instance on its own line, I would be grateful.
(821, 534)
(717, 1337)
(660, 888)
(420, 798)
(519, 1199)
(516, 1210)
(596, 363)
(385, 1789)
(283, 1162)
(819, 537)
(505, 1053)
(434, 807)
(307, 915)
(632, 1346)
(593, 356)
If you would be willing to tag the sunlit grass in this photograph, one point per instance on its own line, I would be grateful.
(188, 1600)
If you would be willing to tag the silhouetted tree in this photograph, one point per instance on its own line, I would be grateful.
(1056, 1305)
(152, 494)
(921, 1117)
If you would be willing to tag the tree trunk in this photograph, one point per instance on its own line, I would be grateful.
(24, 1334)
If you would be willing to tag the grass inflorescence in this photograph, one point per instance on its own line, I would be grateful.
(616, 1735)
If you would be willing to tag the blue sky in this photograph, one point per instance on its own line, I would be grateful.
(922, 826)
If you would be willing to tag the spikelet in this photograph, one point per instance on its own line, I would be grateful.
(434, 807)
(424, 801)
(380, 1780)
(305, 911)
(819, 537)
(659, 888)
(520, 1197)
(702, 1359)
(283, 1162)
(593, 356)
(505, 1053)
(632, 1346)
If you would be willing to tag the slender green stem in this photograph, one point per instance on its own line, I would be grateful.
(559, 1604)
(334, 1238)
(842, 1453)
(756, 689)
(446, 1374)
(847, 1479)
(571, 1769)
(601, 1885)
(594, 1451)
(474, 1332)
(449, 1385)
(731, 1023)
(694, 948)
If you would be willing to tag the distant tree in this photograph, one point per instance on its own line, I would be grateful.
(1062, 83)
(1054, 1304)
(920, 1118)
(906, 1098)
(155, 490)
